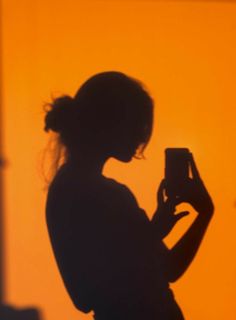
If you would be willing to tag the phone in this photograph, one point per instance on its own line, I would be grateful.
(177, 164)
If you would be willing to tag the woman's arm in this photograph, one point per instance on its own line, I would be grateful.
(184, 251)
(181, 255)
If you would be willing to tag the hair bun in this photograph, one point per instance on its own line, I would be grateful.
(59, 115)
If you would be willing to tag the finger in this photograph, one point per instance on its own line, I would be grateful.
(196, 175)
(171, 203)
(174, 201)
(194, 169)
(160, 193)
(181, 215)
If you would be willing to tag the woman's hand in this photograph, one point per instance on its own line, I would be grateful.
(195, 193)
(165, 217)
(183, 252)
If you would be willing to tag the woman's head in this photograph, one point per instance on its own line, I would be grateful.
(111, 113)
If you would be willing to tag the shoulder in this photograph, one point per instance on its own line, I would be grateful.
(121, 190)
(124, 202)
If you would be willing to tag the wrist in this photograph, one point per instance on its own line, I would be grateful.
(206, 214)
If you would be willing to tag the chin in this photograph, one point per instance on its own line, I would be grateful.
(124, 157)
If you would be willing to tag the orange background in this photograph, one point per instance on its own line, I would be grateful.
(185, 53)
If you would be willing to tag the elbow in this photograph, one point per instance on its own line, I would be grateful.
(172, 274)
(80, 297)
(173, 277)
(174, 270)
(81, 306)
(80, 303)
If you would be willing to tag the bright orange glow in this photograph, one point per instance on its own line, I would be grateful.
(185, 53)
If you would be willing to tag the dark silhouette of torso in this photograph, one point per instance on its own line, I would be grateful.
(107, 252)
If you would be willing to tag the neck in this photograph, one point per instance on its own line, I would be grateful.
(89, 163)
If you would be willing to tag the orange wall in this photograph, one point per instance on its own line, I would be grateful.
(185, 53)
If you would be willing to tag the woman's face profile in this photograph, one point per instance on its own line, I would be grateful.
(127, 139)
(124, 152)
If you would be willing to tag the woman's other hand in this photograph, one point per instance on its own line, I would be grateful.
(165, 216)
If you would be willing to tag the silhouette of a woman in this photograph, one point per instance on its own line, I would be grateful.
(110, 255)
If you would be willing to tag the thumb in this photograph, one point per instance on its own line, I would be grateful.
(181, 215)
(160, 192)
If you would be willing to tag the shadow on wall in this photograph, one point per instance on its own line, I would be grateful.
(10, 313)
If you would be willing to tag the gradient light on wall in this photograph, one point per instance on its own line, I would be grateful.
(185, 53)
